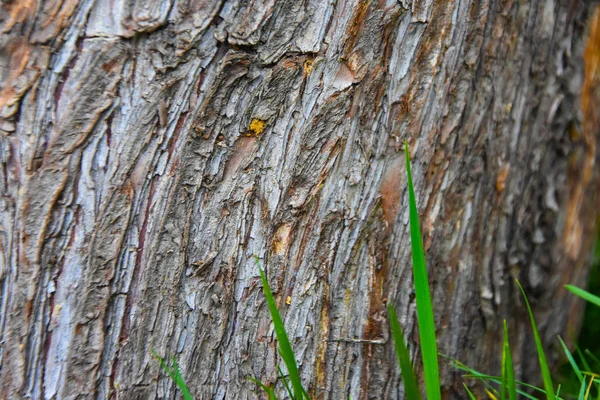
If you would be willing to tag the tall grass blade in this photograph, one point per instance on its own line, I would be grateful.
(285, 348)
(423, 295)
(584, 362)
(471, 395)
(411, 387)
(582, 390)
(175, 375)
(285, 382)
(584, 294)
(589, 387)
(592, 356)
(472, 373)
(548, 385)
(508, 371)
(571, 360)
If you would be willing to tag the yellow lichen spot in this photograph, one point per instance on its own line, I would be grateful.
(288, 300)
(257, 126)
(308, 66)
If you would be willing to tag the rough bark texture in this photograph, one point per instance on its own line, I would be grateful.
(150, 148)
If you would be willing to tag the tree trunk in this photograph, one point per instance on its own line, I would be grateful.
(150, 148)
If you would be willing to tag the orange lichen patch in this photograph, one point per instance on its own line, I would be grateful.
(281, 239)
(591, 59)
(390, 191)
(257, 126)
(324, 324)
(292, 62)
(501, 178)
(590, 95)
(58, 12)
(582, 165)
(354, 29)
(19, 11)
(308, 66)
(20, 52)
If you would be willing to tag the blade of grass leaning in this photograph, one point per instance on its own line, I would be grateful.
(589, 387)
(548, 385)
(584, 362)
(285, 348)
(584, 294)
(508, 371)
(411, 387)
(173, 372)
(504, 377)
(471, 373)
(592, 356)
(424, 305)
(268, 390)
(285, 382)
(571, 360)
(582, 390)
(471, 395)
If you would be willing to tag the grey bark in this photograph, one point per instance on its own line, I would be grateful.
(150, 148)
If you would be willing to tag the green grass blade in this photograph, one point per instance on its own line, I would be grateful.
(504, 377)
(548, 385)
(285, 348)
(508, 371)
(582, 390)
(582, 358)
(571, 360)
(423, 295)
(285, 382)
(268, 390)
(592, 356)
(584, 294)
(173, 372)
(471, 395)
(472, 373)
(411, 387)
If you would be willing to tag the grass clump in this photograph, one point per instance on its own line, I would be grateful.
(173, 371)
(504, 387)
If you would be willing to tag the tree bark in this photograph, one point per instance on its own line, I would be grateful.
(150, 148)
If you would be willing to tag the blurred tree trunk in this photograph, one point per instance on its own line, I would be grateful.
(150, 148)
